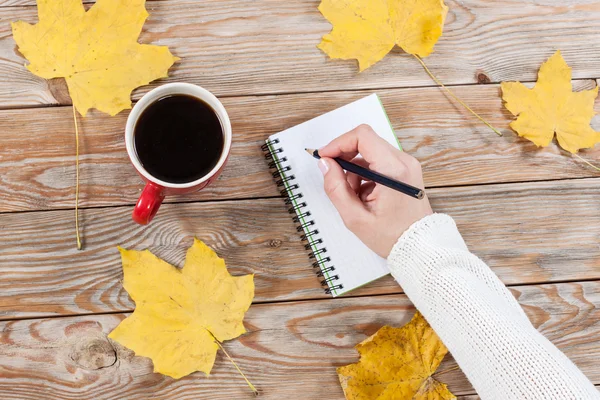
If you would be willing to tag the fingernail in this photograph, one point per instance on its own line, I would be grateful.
(323, 166)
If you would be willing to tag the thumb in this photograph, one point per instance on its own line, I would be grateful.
(341, 194)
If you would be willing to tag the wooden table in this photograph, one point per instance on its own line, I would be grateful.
(533, 215)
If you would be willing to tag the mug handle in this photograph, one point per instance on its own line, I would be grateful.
(148, 203)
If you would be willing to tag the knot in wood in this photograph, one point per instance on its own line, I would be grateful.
(482, 77)
(186, 242)
(275, 243)
(94, 353)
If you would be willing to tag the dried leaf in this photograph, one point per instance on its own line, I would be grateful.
(180, 314)
(397, 363)
(552, 107)
(95, 51)
(368, 29)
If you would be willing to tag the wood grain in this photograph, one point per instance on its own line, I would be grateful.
(527, 233)
(290, 348)
(37, 164)
(261, 58)
(235, 47)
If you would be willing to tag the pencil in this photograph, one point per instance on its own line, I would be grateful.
(374, 176)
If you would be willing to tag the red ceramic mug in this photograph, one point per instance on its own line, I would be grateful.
(156, 189)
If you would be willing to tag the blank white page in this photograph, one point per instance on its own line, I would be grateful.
(354, 264)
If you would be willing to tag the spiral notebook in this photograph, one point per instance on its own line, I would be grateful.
(340, 258)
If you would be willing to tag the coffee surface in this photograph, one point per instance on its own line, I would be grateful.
(178, 139)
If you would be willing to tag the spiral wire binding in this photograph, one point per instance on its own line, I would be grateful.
(314, 245)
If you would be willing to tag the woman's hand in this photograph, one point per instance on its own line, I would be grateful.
(376, 214)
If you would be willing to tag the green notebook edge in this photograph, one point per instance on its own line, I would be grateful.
(389, 122)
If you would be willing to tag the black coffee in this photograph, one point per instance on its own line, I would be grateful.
(178, 139)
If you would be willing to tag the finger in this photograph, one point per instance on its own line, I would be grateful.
(354, 179)
(366, 191)
(341, 194)
(361, 139)
(358, 160)
(402, 167)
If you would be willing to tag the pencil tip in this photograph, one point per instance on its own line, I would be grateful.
(310, 151)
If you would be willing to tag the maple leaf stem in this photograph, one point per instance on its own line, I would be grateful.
(79, 247)
(250, 385)
(587, 162)
(436, 80)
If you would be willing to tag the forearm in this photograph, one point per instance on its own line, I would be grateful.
(478, 319)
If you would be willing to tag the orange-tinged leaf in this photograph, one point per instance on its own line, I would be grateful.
(397, 363)
(95, 51)
(181, 314)
(552, 107)
(367, 30)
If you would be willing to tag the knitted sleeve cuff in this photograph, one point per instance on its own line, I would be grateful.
(437, 229)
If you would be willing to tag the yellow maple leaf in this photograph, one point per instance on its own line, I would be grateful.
(552, 107)
(180, 314)
(368, 29)
(95, 51)
(397, 363)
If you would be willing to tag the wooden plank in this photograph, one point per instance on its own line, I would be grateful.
(37, 163)
(290, 348)
(235, 47)
(528, 233)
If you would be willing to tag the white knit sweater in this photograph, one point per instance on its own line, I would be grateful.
(479, 320)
